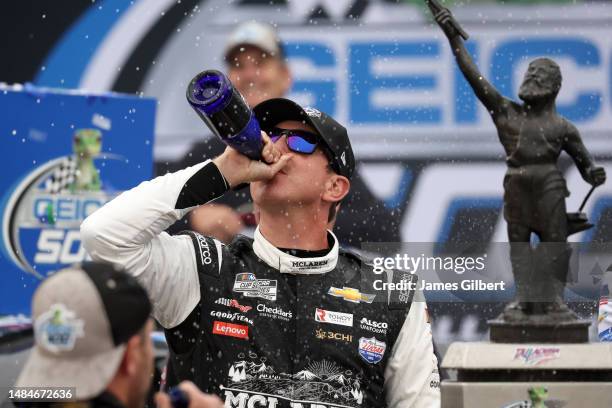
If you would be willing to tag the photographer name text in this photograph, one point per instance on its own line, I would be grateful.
(422, 284)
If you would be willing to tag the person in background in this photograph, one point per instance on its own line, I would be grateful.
(93, 340)
(257, 66)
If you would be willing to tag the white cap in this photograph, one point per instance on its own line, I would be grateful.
(257, 34)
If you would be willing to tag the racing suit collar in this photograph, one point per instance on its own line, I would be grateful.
(286, 263)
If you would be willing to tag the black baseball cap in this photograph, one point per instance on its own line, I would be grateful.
(273, 111)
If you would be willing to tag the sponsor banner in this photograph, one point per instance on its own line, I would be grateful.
(233, 317)
(328, 316)
(534, 356)
(404, 85)
(371, 350)
(373, 326)
(274, 312)
(233, 303)
(232, 330)
(248, 284)
(66, 155)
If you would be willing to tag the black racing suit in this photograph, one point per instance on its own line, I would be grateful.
(258, 326)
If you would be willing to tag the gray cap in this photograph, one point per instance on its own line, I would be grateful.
(82, 317)
(257, 34)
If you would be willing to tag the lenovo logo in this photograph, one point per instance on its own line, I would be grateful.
(230, 329)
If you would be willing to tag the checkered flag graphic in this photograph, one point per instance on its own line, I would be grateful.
(62, 177)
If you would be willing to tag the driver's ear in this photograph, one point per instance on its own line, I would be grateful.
(336, 188)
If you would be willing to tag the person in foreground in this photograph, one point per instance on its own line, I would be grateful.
(93, 341)
(281, 320)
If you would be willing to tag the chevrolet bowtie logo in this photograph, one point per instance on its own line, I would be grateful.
(351, 295)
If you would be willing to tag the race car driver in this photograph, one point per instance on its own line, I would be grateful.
(284, 319)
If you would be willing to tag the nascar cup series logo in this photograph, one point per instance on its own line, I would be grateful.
(248, 284)
(42, 214)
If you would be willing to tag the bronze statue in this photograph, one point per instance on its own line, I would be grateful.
(533, 136)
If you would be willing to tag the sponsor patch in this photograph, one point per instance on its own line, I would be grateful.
(534, 356)
(247, 284)
(371, 350)
(233, 303)
(58, 328)
(351, 295)
(274, 312)
(229, 329)
(204, 248)
(328, 316)
(331, 335)
(373, 326)
(232, 317)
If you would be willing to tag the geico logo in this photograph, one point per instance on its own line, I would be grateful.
(274, 310)
(378, 325)
(301, 264)
(204, 250)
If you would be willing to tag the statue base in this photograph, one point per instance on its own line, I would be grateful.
(536, 331)
(539, 322)
(523, 375)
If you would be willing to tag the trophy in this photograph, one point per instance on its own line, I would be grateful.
(539, 348)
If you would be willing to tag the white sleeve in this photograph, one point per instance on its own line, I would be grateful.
(411, 376)
(128, 232)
